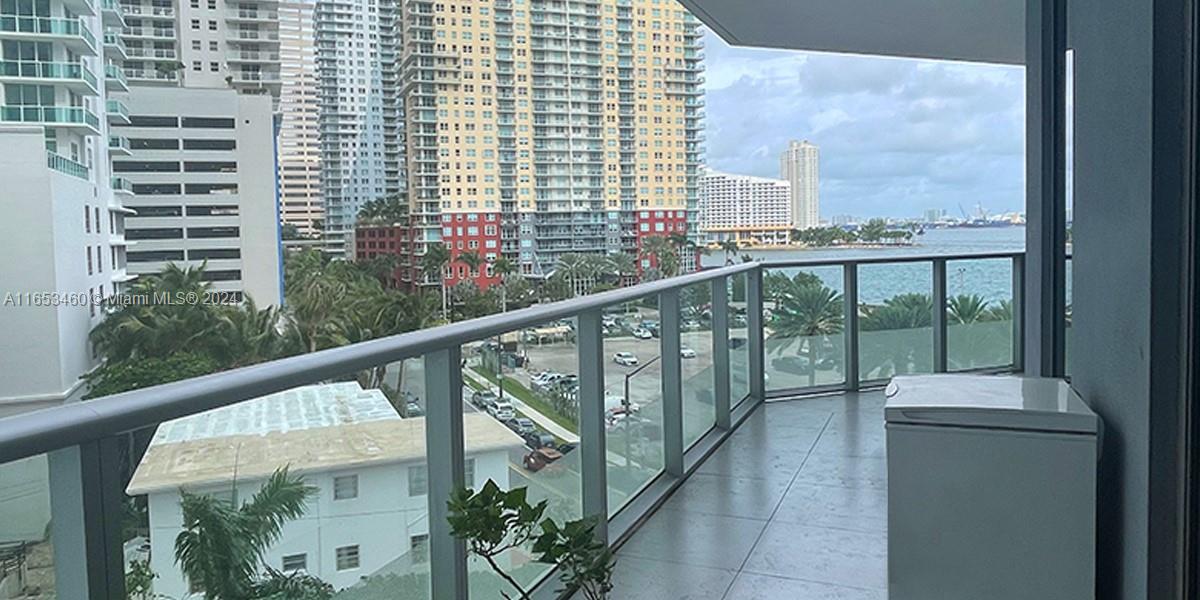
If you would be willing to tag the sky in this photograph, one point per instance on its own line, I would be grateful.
(897, 136)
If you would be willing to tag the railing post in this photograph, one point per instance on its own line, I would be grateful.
(850, 301)
(720, 343)
(592, 443)
(755, 334)
(939, 315)
(445, 469)
(672, 381)
(85, 504)
(1018, 311)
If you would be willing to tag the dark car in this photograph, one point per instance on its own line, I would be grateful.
(567, 447)
(796, 365)
(736, 343)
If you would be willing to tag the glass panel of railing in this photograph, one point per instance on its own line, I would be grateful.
(633, 381)
(895, 312)
(696, 356)
(520, 430)
(27, 566)
(340, 465)
(804, 315)
(979, 314)
(1067, 340)
(739, 346)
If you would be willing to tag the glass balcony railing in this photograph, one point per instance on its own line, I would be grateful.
(118, 144)
(50, 115)
(120, 184)
(65, 165)
(116, 107)
(115, 74)
(73, 72)
(49, 26)
(600, 406)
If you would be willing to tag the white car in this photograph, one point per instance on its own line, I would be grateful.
(627, 359)
(642, 333)
(686, 352)
(502, 410)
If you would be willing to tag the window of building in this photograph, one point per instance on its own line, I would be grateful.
(294, 562)
(153, 144)
(209, 144)
(418, 481)
(214, 66)
(212, 232)
(347, 558)
(196, 65)
(87, 220)
(156, 189)
(213, 210)
(221, 275)
(345, 487)
(158, 211)
(144, 121)
(469, 472)
(210, 167)
(212, 25)
(196, 25)
(207, 123)
(210, 188)
(155, 233)
(138, 256)
(145, 166)
(214, 254)
(89, 259)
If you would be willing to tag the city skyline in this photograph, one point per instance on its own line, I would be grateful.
(897, 136)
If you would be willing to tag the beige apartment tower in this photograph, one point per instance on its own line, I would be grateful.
(539, 128)
(800, 166)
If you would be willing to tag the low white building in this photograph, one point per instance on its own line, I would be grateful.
(753, 211)
(368, 465)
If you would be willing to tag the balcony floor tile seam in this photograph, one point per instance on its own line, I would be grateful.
(787, 489)
(805, 580)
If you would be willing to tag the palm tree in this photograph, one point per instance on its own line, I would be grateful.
(730, 248)
(434, 262)
(662, 250)
(573, 268)
(805, 311)
(221, 546)
(967, 308)
(873, 230)
(472, 260)
(623, 266)
(383, 211)
(903, 312)
(252, 335)
(505, 270)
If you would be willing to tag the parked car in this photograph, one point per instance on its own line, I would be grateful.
(642, 333)
(796, 365)
(523, 425)
(567, 447)
(483, 399)
(413, 409)
(736, 343)
(627, 359)
(539, 439)
(542, 458)
(502, 410)
(686, 352)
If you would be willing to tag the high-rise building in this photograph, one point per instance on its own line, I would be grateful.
(200, 176)
(550, 127)
(203, 44)
(205, 78)
(61, 86)
(800, 166)
(748, 210)
(359, 114)
(300, 203)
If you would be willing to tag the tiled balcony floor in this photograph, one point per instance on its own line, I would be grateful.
(792, 507)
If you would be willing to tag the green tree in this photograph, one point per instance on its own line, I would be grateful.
(730, 248)
(130, 374)
(506, 271)
(886, 355)
(433, 264)
(221, 546)
(383, 211)
(472, 260)
(967, 308)
(622, 266)
(289, 231)
(872, 231)
(662, 251)
(806, 314)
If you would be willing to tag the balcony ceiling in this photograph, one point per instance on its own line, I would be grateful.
(990, 31)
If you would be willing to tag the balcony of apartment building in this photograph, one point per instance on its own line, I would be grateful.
(72, 32)
(730, 454)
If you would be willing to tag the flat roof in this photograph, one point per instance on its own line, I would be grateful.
(309, 429)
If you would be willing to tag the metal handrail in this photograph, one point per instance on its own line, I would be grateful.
(34, 433)
(869, 260)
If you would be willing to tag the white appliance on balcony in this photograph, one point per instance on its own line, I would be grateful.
(991, 489)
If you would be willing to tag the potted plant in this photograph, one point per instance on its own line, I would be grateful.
(492, 522)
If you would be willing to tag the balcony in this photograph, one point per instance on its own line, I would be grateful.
(72, 117)
(152, 75)
(150, 33)
(67, 166)
(71, 32)
(120, 185)
(251, 15)
(117, 112)
(679, 451)
(114, 47)
(114, 78)
(157, 54)
(112, 13)
(118, 145)
(73, 76)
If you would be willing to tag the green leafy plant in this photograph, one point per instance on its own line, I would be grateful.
(493, 521)
(139, 581)
(585, 563)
